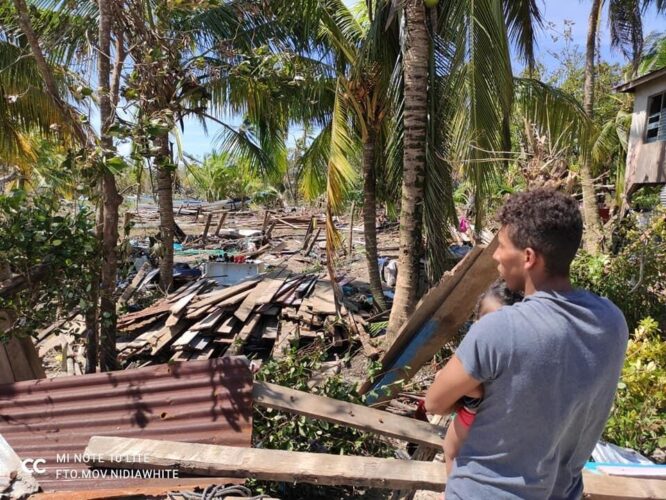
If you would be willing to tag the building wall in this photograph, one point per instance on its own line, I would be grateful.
(646, 162)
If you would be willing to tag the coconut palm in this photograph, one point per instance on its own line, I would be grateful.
(469, 87)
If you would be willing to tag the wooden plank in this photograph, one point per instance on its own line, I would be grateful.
(312, 242)
(223, 217)
(242, 336)
(347, 414)
(183, 301)
(272, 465)
(167, 334)
(321, 300)
(138, 325)
(185, 338)
(158, 307)
(209, 321)
(129, 291)
(432, 301)
(455, 308)
(220, 295)
(287, 336)
(228, 325)
(358, 327)
(263, 294)
(6, 373)
(209, 218)
(18, 354)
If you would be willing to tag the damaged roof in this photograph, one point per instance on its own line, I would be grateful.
(197, 401)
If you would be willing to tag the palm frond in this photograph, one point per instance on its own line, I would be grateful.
(555, 113)
(312, 166)
(341, 175)
(626, 28)
(523, 18)
(655, 55)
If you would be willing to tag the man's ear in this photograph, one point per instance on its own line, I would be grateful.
(531, 258)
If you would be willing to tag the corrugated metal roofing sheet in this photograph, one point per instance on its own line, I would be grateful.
(196, 401)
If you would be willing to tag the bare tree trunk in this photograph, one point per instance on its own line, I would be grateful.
(370, 218)
(415, 63)
(593, 231)
(112, 200)
(165, 208)
(91, 316)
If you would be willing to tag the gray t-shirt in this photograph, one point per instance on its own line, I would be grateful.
(549, 367)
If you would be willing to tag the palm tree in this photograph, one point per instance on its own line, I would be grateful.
(469, 85)
(356, 80)
(627, 34)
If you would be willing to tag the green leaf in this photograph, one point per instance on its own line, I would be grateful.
(115, 164)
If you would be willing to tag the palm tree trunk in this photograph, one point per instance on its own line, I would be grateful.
(112, 200)
(370, 218)
(415, 61)
(593, 232)
(165, 208)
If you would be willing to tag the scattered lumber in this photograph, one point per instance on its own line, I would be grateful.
(348, 414)
(131, 288)
(436, 319)
(271, 465)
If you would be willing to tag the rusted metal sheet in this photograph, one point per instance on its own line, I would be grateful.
(196, 401)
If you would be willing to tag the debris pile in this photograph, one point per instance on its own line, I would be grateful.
(265, 314)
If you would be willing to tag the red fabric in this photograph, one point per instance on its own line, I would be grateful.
(465, 416)
(420, 413)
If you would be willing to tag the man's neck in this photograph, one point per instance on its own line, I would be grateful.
(548, 283)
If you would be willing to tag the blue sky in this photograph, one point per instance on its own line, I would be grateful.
(197, 143)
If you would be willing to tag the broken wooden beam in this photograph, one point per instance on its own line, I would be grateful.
(347, 414)
(271, 465)
(209, 219)
(313, 241)
(319, 468)
(223, 217)
(131, 288)
(437, 318)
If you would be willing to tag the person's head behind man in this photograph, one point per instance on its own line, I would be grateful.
(539, 236)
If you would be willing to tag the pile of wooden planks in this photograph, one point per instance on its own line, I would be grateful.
(270, 313)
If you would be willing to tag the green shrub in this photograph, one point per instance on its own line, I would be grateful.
(278, 430)
(638, 418)
(36, 230)
(634, 278)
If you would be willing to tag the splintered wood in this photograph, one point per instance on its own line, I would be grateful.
(270, 313)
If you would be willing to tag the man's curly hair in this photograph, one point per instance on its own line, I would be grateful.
(548, 222)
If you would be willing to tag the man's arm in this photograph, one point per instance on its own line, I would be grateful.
(451, 384)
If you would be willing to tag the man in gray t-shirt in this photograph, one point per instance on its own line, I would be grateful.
(548, 366)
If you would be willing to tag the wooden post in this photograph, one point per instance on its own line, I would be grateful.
(308, 233)
(196, 219)
(267, 215)
(208, 221)
(313, 241)
(351, 228)
(269, 231)
(223, 217)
